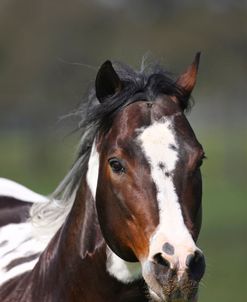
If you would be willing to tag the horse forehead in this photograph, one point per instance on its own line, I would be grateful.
(141, 114)
(168, 140)
(164, 123)
(159, 143)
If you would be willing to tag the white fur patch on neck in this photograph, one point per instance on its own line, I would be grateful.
(10, 188)
(160, 147)
(122, 270)
(93, 170)
(16, 242)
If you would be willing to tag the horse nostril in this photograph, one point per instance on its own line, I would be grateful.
(159, 259)
(196, 265)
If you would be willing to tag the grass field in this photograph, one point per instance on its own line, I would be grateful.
(41, 163)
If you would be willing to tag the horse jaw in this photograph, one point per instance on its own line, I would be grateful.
(122, 270)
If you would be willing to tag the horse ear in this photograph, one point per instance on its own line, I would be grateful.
(187, 80)
(107, 82)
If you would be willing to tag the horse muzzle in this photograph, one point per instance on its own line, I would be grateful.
(169, 283)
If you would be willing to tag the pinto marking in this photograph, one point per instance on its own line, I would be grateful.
(10, 188)
(93, 170)
(123, 271)
(16, 239)
(19, 243)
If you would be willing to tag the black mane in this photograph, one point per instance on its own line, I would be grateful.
(93, 116)
(143, 85)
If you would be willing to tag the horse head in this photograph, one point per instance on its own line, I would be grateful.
(144, 174)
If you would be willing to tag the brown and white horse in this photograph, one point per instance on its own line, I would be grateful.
(123, 224)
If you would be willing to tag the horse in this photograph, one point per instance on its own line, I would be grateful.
(124, 222)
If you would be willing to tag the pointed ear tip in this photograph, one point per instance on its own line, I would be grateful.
(107, 62)
(197, 58)
(198, 54)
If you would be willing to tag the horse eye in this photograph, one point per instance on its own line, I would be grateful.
(116, 165)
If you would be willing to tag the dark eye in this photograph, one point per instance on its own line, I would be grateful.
(116, 165)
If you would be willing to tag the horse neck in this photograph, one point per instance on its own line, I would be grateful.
(73, 250)
(81, 231)
(75, 261)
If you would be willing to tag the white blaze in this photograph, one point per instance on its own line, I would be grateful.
(156, 141)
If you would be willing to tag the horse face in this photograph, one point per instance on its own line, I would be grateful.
(148, 195)
(145, 176)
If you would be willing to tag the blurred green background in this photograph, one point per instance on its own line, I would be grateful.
(49, 54)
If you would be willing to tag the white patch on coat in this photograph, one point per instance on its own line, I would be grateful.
(18, 270)
(10, 188)
(156, 141)
(122, 270)
(93, 170)
(18, 242)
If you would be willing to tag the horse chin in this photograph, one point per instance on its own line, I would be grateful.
(163, 298)
(176, 297)
(170, 290)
